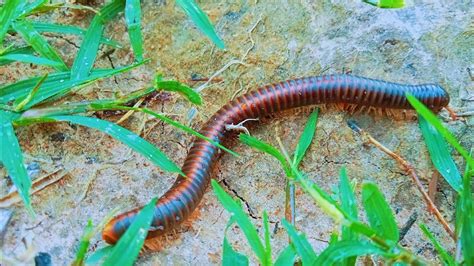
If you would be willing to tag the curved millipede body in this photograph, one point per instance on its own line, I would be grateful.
(185, 194)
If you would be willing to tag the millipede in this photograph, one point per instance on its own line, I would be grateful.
(183, 197)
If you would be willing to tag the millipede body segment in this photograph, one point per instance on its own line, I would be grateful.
(184, 196)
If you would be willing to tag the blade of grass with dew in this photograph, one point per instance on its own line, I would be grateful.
(266, 233)
(126, 251)
(349, 205)
(448, 136)
(87, 54)
(201, 20)
(84, 244)
(341, 250)
(378, 212)
(286, 257)
(68, 29)
(171, 85)
(133, 21)
(7, 15)
(242, 220)
(127, 137)
(440, 155)
(55, 85)
(29, 8)
(266, 148)
(306, 137)
(33, 38)
(443, 254)
(28, 98)
(21, 50)
(465, 228)
(12, 158)
(386, 3)
(31, 59)
(300, 243)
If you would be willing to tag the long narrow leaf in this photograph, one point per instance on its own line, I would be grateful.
(201, 20)
(87, 54)
(286, 257)
(171, 85)
(300, 243)
(378, 211)
(448, 136)
(349, 205)
(12, 158)
(84, 244)
(466, 213)
(128, 247)
(232, 257)
(27, 58)
(33, 38)
(68, 29)
(447, 259)
(127, 137)
(21, 50)
(306, 137)
(266, 232)
(133, 20)
(242, 220)
(346, 249)
(7, 15)
(440, 155)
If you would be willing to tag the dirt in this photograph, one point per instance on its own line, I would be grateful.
(424, 42)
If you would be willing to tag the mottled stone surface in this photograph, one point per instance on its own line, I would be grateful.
(430, 41)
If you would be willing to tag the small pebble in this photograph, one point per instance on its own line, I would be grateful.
(43, 259)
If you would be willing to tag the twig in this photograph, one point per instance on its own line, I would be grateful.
(410, 171)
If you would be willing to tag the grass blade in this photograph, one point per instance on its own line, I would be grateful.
(26, 58)
(378, 211)
(349, 205)
(12, 158)
(266, 148)
(68, 29)
(242, 220)
(127, 137)
(133, 20)
(232, 257)
(201, 20)
(286, 257)
(33, 38)
(87, 54)
(306, 137)
(84, 244)
(28, 98)
(465, 209)
(128, 247)
(99, 256)
(386, 3)
(21, 50)
(447, 259)
(266, 232)
(448, 136)
(171, 85)
(347, 249)
(7, 15)
(300, 243)
(440, 155)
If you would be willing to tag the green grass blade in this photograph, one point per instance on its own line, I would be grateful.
(232, 257)
(87, 54)
(12, 158)
(201, 20)
(128, 247)
(56, 84)
(286, 257)
(31, 59)
(171, 85)
(33, 38)
(133, 20)
(440, 155)
(448, 136)
(378, 212)
(21, 50)
(266, 148)
(30, 96)
(68, 29)
(99, 256)
(242, 220)
(347, 249)
(306, 137)
(127, 137)
(447, 259)
(386, 3)
(7, 15)
(466, 211)
(300, 243)
(349, 205)
(84, 244)
(266, 232)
